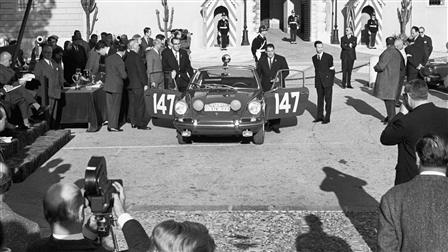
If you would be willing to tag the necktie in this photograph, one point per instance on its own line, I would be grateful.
(270, 63)
(177, 57)
(318, 57)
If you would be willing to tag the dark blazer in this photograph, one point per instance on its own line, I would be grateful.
(55, 76)
(413, 216)
(267, 74)
(184, 69)
(115, 74)
(322, 72)
(405, 130)
(144, 45)
(135, 68)
(347, 51)
(416, 56)
(427, 46)
(134, 234)
(259, 43)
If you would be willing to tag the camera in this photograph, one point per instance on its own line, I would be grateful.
(98, 191)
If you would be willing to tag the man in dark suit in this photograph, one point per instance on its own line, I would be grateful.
(416, 118)
(147, 42)
(323, 81)
(176, 67)
(398, 43)
(413, 215)
(64, 210)
(49, 72)
(348, 56)
(267, 68)
(154, 63)
(427, 43)
(416, 60)
(259, 43)
(138, 83)
(372, 29)
(223, 29)
(115, 75)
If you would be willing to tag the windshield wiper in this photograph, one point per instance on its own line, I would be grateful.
(219, 86)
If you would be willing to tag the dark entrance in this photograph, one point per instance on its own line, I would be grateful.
(366, 13)
(274, 10)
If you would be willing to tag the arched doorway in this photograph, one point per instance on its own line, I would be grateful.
(366, 13)
(217, 15)
(211, 13)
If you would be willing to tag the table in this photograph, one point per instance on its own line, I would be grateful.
(84, 106)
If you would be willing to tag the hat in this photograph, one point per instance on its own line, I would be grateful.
(54, 37)
(262, 28)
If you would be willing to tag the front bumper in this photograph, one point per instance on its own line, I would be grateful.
(219, 127)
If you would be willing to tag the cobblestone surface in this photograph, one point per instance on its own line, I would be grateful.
(277, 230)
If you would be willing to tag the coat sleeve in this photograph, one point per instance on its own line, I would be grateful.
(382, 63)
(394, 132)
(387, 236)
(135, 236)
(284, 65)
(141, 71)
(344, 43)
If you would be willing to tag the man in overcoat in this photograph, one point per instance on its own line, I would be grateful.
(348, 56)
(413, 215)
(388, 77)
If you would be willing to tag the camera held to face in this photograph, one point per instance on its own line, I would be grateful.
(98, 191)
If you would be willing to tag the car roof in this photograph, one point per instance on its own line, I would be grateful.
(247, 67)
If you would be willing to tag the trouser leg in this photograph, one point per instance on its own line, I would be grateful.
(55, 113)
(131, 107)
(113, 101)
(328, 92)
(320, 102)
(390, 108)
(139, 107)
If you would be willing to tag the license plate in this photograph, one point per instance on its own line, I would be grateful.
(217, 107)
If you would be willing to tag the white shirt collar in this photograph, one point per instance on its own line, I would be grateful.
(72, 237)
(48, 61)
(157, 51)
(320, 54)
(436, 173)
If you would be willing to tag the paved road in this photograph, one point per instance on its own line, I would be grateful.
(308, 166)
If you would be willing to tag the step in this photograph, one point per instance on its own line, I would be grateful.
(22, 138)
(25, 162)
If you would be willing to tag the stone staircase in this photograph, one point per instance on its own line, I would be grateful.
(30, 148)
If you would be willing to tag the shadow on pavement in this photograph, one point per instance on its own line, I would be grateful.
(363, 108)
(365, 83)
(317, 240)
(354, 201)
(26, 197)
(312, 109)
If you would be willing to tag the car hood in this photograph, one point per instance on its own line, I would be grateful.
(210, 96)
(223, 95)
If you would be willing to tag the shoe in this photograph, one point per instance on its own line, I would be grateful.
(276, 130)
(349, 86)
(318, 120)
(385, 120)
(114, 129)
(143, 128)
(343, 86)
(133, 126)
(374, 47)
(326, 121)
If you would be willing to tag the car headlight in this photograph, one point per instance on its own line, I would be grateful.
(181, 107)
(235, 105)
(198, 105)
(254, 107)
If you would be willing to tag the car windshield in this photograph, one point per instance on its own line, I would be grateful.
(224, 77)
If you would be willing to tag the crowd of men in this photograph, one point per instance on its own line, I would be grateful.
(126, 66)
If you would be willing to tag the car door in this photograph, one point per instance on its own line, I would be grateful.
(160, 102)
(288, 96)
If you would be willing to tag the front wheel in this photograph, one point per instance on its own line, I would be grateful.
(259, 136)
(183, 140)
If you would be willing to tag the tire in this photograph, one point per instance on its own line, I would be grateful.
(258, 138)
(183, 140)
